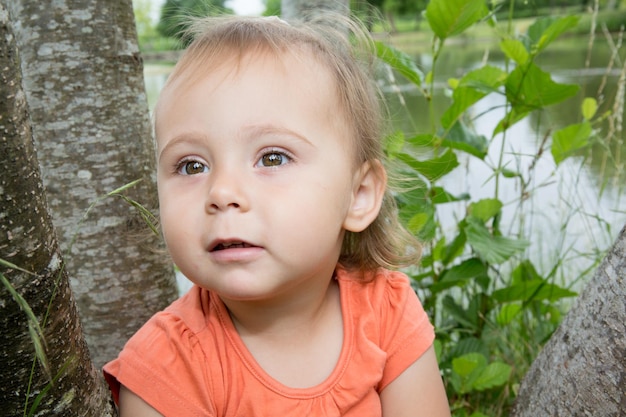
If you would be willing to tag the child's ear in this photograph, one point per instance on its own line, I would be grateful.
(370, 182)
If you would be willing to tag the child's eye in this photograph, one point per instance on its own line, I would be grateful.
(191, 168)
(273, 159)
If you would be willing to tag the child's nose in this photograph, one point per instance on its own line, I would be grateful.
(227, 191)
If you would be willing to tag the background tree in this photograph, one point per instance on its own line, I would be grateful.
(175, 16)
(293, 9)
(83, 79)
(37, 313)
(146, 31)
(582, 368)
(393, 8)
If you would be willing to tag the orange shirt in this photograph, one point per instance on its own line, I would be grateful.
(189, 360)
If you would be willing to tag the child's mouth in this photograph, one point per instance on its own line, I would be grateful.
(230, 245)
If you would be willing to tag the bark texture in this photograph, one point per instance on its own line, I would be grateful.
(27, 239)
(582, 369)
(83, 78)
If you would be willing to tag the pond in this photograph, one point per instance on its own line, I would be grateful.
(572, 211)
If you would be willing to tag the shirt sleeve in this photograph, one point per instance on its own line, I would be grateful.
(406, 332)
(161, 364)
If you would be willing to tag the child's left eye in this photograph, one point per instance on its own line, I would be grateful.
(273, 159)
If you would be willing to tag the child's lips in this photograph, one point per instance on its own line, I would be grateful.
(231, 245)
(234, 250)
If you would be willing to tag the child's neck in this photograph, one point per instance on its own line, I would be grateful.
(299, 307)
(298, 342)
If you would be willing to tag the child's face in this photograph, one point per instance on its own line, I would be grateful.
(256, 176)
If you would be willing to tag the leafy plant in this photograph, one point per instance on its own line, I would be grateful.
(491, 307)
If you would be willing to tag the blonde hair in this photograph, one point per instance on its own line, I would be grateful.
(345, 48)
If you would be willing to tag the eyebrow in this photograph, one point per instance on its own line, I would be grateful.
(265, 129)
(191, 138)
(194, 138)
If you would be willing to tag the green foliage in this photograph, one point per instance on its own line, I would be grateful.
(272, 8)
(143, 20)
(176, 16)
(452, 17)
(491, 307)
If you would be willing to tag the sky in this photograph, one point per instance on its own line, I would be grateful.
(246, 7)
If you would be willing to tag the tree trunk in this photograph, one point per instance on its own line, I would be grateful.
(27, 239)
(582, 369)
(294, 9)
(83, 78)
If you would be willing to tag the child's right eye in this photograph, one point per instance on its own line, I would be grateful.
(191, 168)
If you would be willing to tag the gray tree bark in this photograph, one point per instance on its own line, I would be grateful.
(83, 78)
(27, 239)
(294, 9)
(581, 371)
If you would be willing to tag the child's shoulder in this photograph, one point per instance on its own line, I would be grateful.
(373, 280)
(177, 331)
(377, 288)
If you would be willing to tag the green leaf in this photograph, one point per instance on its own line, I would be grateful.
(567, 141)
(525, 271)
(425, 230)
(418, 213)
(450, 17)
(529, 88)
(494, 375)
(434, 168)
(460, 274)
(468, 368)
(507, 173)
(417, 222)
(553, 314)
(425, 140)
(438, 195)
(438, 247)
(438, 348)
(471, 88)
(416, 197)
(485, 209)
(535, 290)
(456, 247)
(468, 345)
(512, 117)
(507, 313)
(400, 61)
(457, 312)
(461, 138)
(515, 50)
(492, 249)
(429, 77)
(394, 143)
(468, 363)
(546, 29)
(589, 107)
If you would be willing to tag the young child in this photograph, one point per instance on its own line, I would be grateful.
(273, 202)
